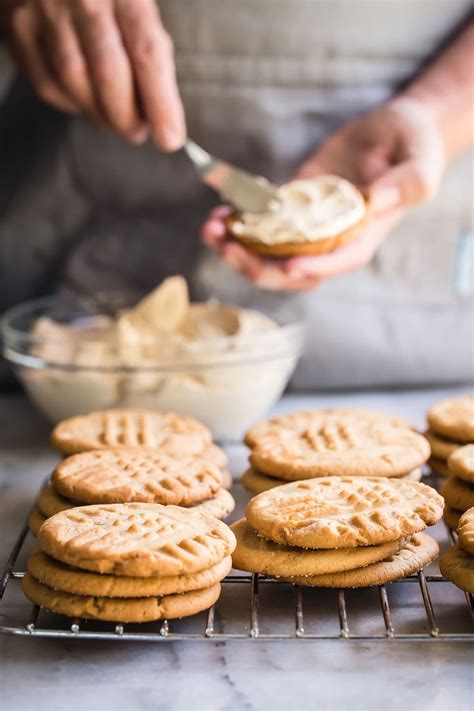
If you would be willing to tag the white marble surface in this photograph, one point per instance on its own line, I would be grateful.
(50, 675)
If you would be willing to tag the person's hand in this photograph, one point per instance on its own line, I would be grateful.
(393, 154)
(111, 59)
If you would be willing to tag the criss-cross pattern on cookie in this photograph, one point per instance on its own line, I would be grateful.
(327, 442)
(136, 539)
(125, 475)
(131, 428)
(335, 512)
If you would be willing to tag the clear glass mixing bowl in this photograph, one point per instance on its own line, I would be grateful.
(228, 383)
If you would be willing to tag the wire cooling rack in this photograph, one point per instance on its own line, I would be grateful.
(421, 607)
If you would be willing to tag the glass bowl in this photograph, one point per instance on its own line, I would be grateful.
(227, 382)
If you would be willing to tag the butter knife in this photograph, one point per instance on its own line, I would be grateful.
(246, 192)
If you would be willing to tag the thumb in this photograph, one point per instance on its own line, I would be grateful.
(408, 183)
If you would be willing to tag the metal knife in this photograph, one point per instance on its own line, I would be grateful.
(246, 192)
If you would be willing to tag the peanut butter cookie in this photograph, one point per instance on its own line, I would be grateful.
(344, 512)
(136, 539)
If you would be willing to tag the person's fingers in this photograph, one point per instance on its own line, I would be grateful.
(26, 48)
(310, 168)
(408, 183)
(108, 66)
(264, 273)
(151, 53)
(221, 211)
(417, 172)
(213, 232)
(66, 58)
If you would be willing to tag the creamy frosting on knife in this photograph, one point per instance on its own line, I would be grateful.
(310, 210)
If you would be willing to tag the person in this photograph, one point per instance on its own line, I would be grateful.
(97, 195)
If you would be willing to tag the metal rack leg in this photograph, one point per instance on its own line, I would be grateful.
(343, 615)
(299, 621)
(254, 628)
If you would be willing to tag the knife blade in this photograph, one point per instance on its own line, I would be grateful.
(246, 192)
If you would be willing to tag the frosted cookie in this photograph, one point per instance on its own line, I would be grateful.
(466, 531)
(457, 493)
(175, 435)
(344, 512)
(458, 566)
(257, 555)
(441, 447)
(59, 576)
(314, 216)
(324, 443)
(125, 475)
(136, 540)
(415, 556)
(453, 418)
(461, 463)
(140, 609)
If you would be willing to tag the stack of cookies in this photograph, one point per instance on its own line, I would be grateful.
(332, 442)
(339, 531)
(451, 425)
(457, 564)
(129, 562)
(172, 434)
(135, 456)
(458, 489)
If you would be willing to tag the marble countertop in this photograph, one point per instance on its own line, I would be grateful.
(40, 674)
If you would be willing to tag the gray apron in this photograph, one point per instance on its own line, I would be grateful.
(263, 83)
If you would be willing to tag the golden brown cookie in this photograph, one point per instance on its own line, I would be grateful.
(344, 512)
(415, 556)
(325, 444)
(136, 539)
(257, 555)
(439, 467)
(461, 463)
(451, 517)
(35, 521)
(453, 418)
(59, 576)
(175, 435)
(296, 420)
(139, 609)
(49, 502)
(458, 493)
(110, 476)
(293, 249)
(415, 475)
(466, 531)
(256, 482)
(215, 455)
(458, 566)
(441, 447)
(220, 506)
(227, 479)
